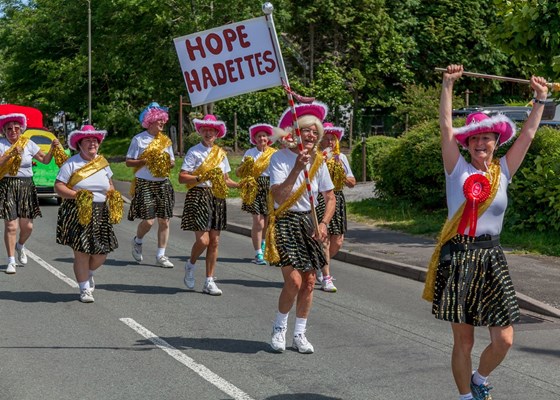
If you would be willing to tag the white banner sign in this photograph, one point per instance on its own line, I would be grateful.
(228, 61)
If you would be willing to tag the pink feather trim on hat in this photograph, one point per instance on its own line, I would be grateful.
(210, 121)
(86, 131)
(21, 119)
(477, 123)
(329, 128)
(272, 132)
(316, 109)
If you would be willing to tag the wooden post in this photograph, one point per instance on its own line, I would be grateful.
(235, 132)
(181, 104)
(363, 158)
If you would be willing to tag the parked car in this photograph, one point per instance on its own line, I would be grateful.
(44, 175)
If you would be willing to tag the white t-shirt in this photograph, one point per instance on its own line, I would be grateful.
(196, 156)
(138, 144)
(491, 221)
(282, 162)
(29, 151)
(255, 153)
(97, 183)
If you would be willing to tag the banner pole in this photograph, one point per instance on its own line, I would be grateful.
(267, 10)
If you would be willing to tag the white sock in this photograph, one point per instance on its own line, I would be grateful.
(19, 246)
(188, 265)
(84, 285)
(11, 260)
(301, 323)
(90, 273)
(479, 379)
(281, 319)
(160, 252)
(467, 396)
(137, 241)
(209, 279)
(259, 251)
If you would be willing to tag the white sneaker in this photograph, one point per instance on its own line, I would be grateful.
(21, 256)
(211, 288)
(164, 262)
(86, 296)
(91, 284)
(327, 285)
(319, 276)
(302, 345)
(278, 340)
(11, 268)
(136, 250)
(189, 276)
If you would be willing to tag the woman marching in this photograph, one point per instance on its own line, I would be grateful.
(205, 172)
(255, 183)
(151, 155)
(20, 204)
(293, 242)
(341, 175)
(468, 280)
(91, 205)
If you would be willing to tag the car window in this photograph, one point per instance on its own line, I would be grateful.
(41, 140)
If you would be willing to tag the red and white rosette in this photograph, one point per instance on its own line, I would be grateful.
(477, 189)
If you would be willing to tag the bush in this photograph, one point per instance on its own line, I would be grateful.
(192, 139)
(376, 149)
(413, 169)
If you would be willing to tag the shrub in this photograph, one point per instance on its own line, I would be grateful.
(377, 147)
(413, 169)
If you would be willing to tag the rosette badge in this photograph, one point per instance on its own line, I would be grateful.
(477, 189)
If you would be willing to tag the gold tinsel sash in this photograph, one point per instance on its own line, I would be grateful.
(11, 166)
(271, 251)
(210, 170)
(84, 198)
(158, 161)
(250, 171)
(450, 227)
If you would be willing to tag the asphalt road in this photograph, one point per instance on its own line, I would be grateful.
(147, 337)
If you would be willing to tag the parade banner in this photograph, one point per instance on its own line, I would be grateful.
(228, 61)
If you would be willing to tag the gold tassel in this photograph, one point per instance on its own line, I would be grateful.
(271, 252)
(84, 202)
(14, 167)
(248, 188)
(219, 187)
(159, 165)
(59, 155)
(116, 205)
(337, 173)
(246, 167)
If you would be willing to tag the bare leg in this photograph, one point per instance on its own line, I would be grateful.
(144, 227)
(202, 239)
(25, 229)
(10, 231)
(501, 341)
(163, 232)
(212, 253)
(461, 362)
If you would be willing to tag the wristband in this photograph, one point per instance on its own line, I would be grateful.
(538, 101)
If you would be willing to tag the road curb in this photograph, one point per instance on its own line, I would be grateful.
(408, 271)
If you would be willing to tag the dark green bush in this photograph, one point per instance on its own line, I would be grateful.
(377, 147)
(413, 169)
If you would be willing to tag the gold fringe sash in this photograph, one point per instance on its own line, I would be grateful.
(84, 202)
(449, 229)
(158, 161)
(337, 173)
(11, 166)
(246, 167)
(209, 170)
(248, 185)
(95, 165)
(115, 204)
(271, 251)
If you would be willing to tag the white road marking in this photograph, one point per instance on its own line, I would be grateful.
(52, 269)
(200, 369)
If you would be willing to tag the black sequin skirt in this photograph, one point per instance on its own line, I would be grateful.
(338, 224)
(474, 286)
(97, 237)
(260, 205)
(295, 243)
(152, 199)
(203, 211)
(18, 199)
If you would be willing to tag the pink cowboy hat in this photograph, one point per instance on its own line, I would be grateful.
(478, 123)
(86, 131)
(272, 132)
(333, 130)
(21, 119)
(211, 121)
(316, 108)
